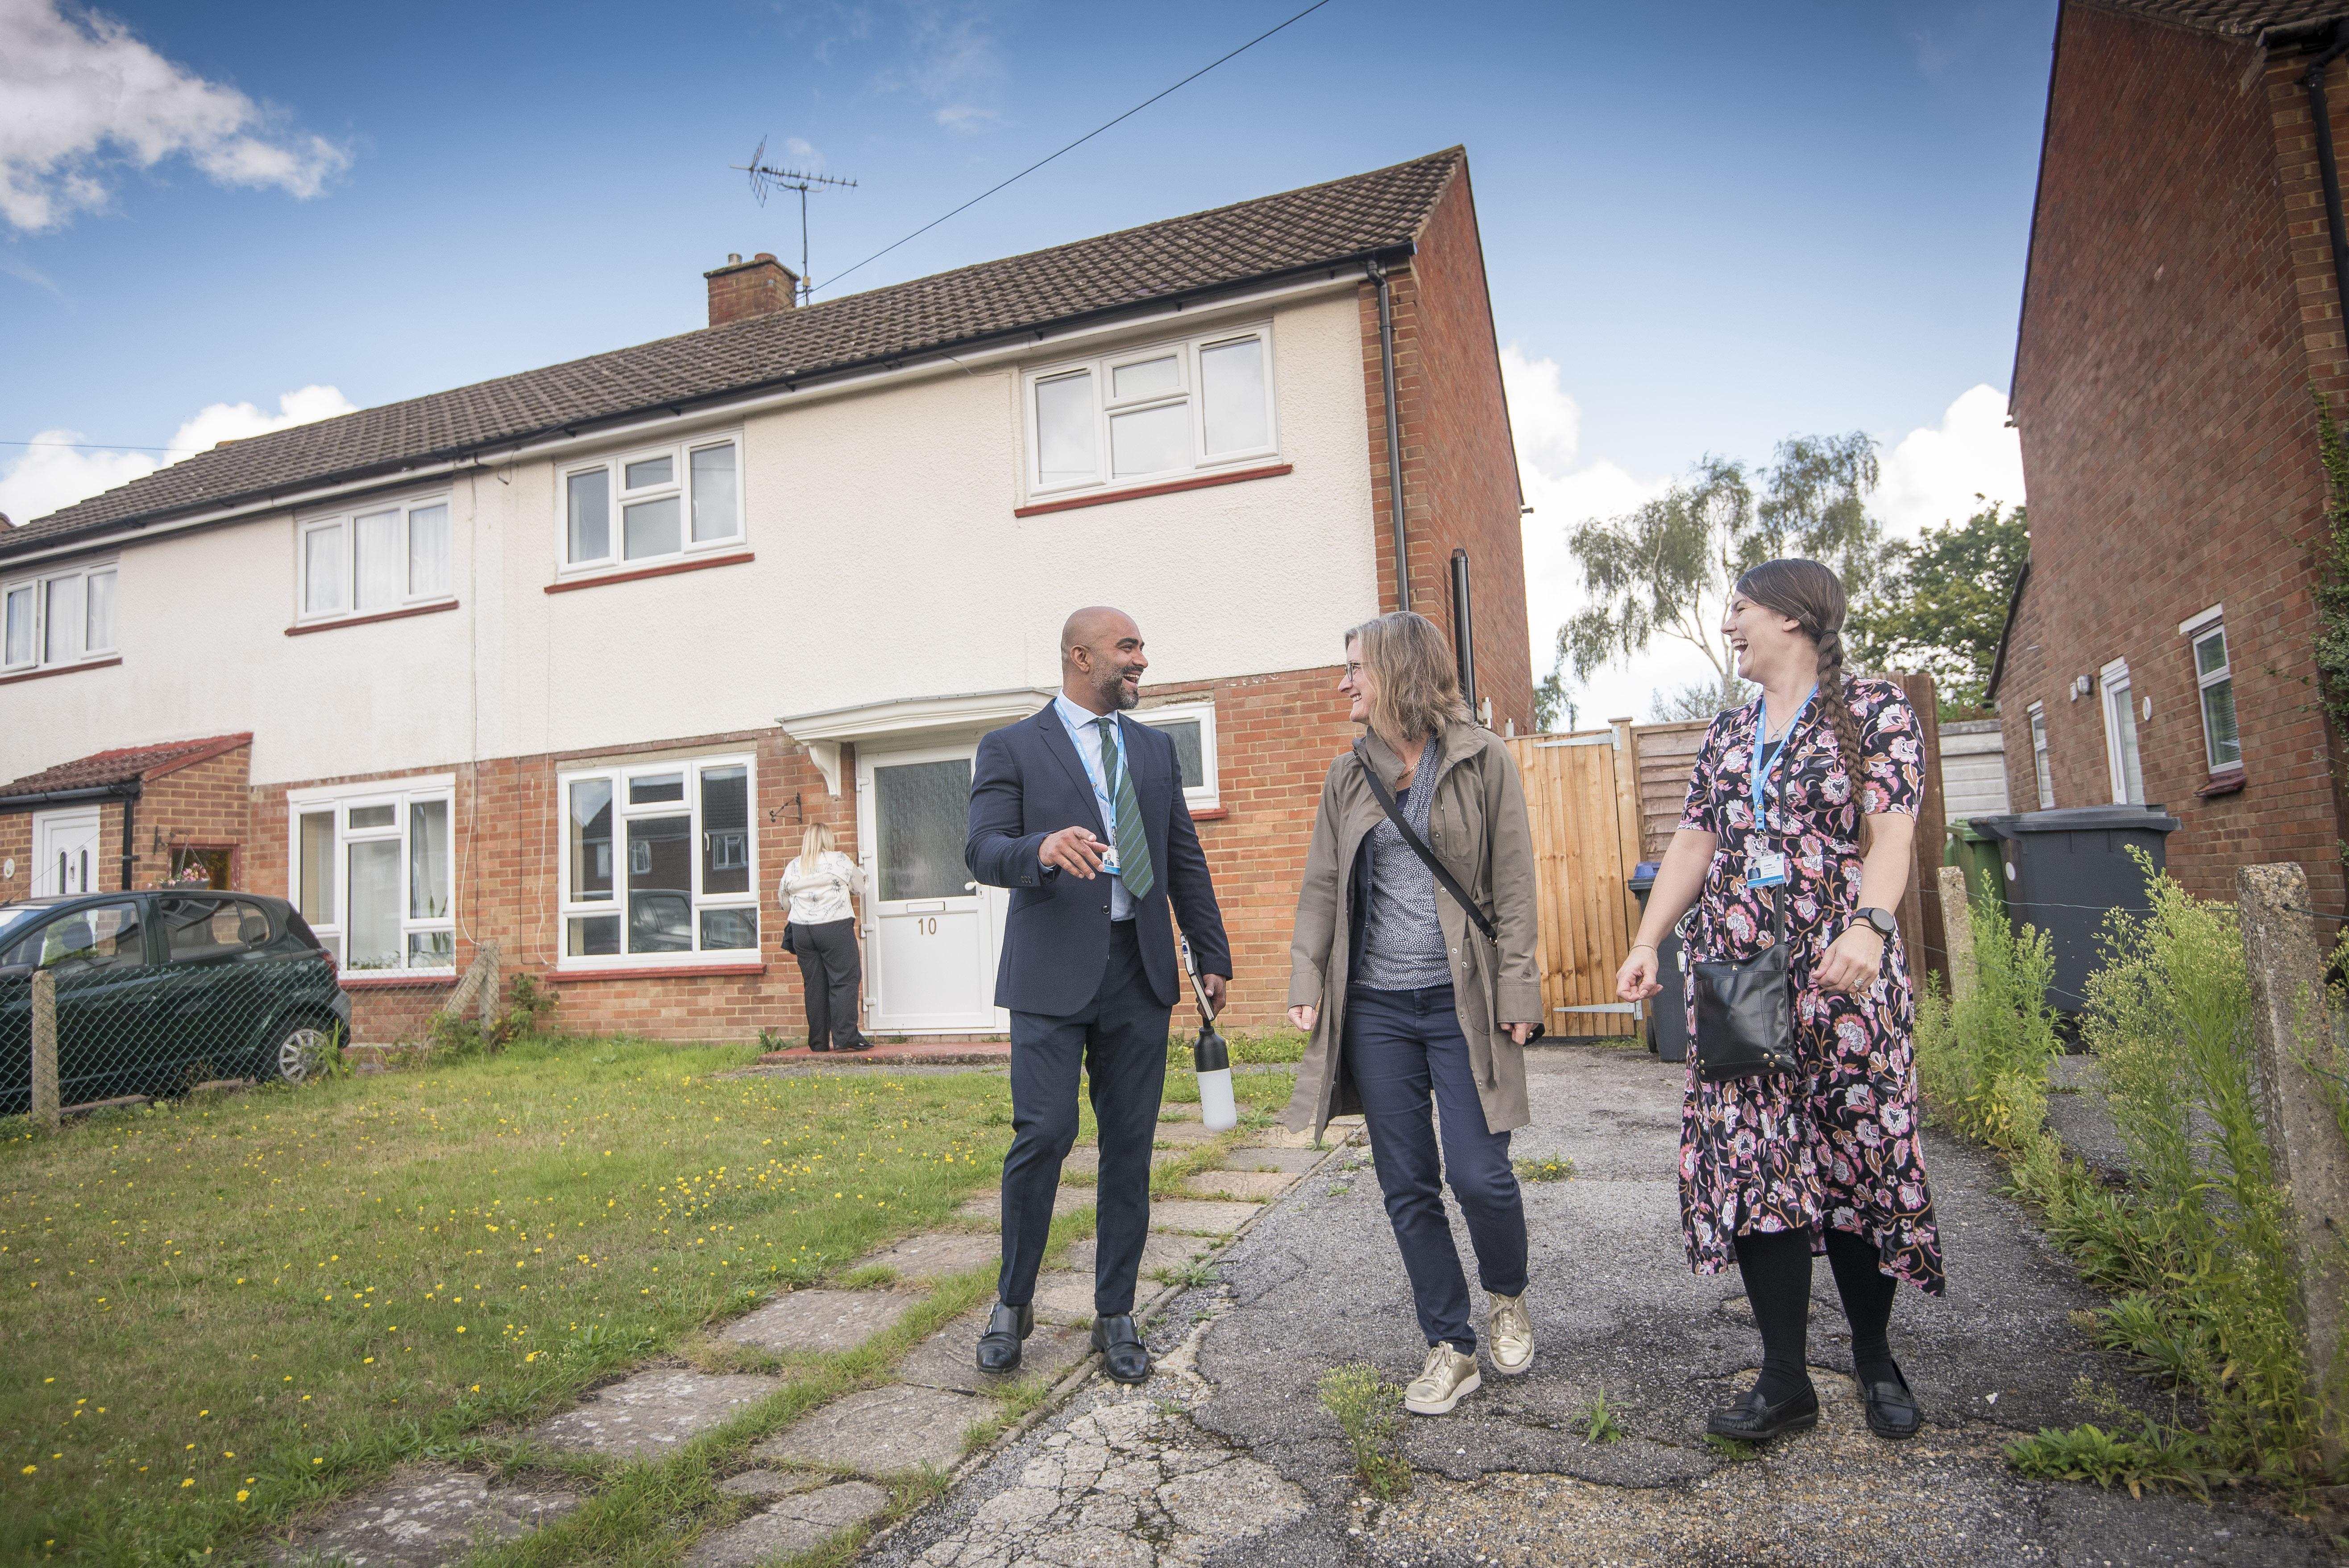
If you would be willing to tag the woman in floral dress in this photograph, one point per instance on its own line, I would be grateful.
(1776, 1167)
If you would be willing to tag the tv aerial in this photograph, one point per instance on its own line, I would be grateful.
(764, 178)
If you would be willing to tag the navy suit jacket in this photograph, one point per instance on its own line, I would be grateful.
(1027, 782)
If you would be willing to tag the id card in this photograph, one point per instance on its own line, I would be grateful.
(1764, 869)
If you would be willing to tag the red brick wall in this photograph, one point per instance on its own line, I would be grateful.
(2168, 443)
(16, 844)
(207, 803)
(1459, 466)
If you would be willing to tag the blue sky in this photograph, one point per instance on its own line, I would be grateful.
(1719, 224)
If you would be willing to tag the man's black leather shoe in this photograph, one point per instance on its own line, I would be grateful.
(1892, 1410)
(1123, 1356)
(1753, 1420)
(998, 1348)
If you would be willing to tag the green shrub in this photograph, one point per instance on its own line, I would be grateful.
(1982, 1061)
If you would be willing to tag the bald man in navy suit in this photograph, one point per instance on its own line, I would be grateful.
(1078, 810)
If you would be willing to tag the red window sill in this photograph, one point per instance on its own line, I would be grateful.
(1211, 813)
(366, 981)
(370, 620)
(2228, 783)
(61, 670)
(1202, 481)
(670, 569)
(657, 971)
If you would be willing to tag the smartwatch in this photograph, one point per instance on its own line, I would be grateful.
(1881, 920)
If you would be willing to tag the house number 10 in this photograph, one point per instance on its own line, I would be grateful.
(928, 925)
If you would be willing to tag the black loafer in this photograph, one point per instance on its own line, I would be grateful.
(1893, 1412)
(1753, 1420)
(1123, 1355)
(998, 1348)
(859, 1046)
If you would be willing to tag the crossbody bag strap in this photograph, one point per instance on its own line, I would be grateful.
(1394, 814)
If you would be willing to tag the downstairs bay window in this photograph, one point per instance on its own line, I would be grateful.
(657, 864)
(373, 872)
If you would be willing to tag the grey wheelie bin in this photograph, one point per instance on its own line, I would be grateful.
(2065, 870)
(1667, 1034)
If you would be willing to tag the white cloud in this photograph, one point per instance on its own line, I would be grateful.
(1932, 476)
(76, 91)
(955, 63)
(57, 470)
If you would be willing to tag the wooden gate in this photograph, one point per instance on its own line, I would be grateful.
(1582, 795)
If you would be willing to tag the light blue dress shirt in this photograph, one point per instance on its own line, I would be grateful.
(1085, 734)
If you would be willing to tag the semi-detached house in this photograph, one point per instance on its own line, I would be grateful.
(566, 660)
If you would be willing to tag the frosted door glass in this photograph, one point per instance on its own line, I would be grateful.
(1146, 380)
(649, 527)
(1231, 380)
(322, 570)
(371, 937)
(1151, 441)
(20, 627)
(427, 861)
(714, 493)
(428, 550)
(376, 540)
(98, 612)
(62, 629)
(588, 497)
(1064, 431)
(923, 812)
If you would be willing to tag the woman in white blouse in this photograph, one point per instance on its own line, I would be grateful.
(821, 933)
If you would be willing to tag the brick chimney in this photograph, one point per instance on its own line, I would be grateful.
(759, 286)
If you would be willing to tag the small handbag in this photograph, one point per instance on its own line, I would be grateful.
(1745, 1011)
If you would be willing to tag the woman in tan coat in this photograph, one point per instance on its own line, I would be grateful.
(1406, 998)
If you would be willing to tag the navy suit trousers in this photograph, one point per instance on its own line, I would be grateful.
(1119, 1041)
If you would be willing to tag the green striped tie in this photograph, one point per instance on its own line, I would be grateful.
(1133, 843)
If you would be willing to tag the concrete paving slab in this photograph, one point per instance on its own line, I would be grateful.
(946, 1360)
(936, 1254)
(795, 1523)
(769, 1483)
(1281, 1138)
(1244, 1186)
(1159, 1250)
(1295, 1161)
(821, 1320)
(654, 1411)
(425, 1515)
(1067, 1200)
(880, 1431)
(1064, 1295)
(1199, 1218)
(1183, 1132)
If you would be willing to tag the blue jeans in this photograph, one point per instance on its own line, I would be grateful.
(1401, 1047)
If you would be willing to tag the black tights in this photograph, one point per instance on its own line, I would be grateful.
(1777, 1270)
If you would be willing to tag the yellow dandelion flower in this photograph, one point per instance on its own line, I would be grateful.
(242, 1495)
(190, 1482)
(30, 1469)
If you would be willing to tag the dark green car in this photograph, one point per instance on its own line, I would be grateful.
(162, 990)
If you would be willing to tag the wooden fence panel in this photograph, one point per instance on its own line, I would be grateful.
(1666, 755)
(1575, 792)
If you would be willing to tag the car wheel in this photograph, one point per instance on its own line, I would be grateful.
(295, 1056)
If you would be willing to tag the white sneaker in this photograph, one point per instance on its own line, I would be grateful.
(1509, 1329)
(1446, 1379)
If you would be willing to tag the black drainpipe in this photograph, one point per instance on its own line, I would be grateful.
(1394, 436)
(1463, 628)
(130, 794)
(2328, 167)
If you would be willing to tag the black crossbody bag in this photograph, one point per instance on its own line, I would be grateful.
(1459, 894)
(1746, 1008)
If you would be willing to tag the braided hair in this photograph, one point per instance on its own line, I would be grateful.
(1812, 596)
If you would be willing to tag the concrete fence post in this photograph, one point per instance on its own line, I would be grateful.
(2292, 1018)
(45, 1050)
(486, 958)
(1958, 928)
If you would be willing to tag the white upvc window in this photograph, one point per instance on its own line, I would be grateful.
(1153, 414)
(2214, 683)
(59, 618)
(1192, 726)
(2042, 770)
(2127, 773)
(658, 863)
(374, 558)
(651, 504)
(373, 872)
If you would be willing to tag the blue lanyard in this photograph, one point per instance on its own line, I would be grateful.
(1786, 742)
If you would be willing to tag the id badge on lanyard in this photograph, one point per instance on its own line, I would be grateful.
(1765, 867)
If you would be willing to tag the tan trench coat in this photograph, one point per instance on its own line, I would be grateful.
(1477, 828)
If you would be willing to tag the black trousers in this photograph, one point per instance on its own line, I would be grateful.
(829, 973)
(1120, 1042)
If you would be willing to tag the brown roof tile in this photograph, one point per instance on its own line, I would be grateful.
(122, 765)
(2233, 18)
(1295, 230)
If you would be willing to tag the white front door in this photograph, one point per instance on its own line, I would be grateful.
(65, 853)
(931, 935)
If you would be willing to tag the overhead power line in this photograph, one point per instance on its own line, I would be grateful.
(1088, 136)
(101, 447)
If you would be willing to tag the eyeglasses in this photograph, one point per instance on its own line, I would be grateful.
(1353, 668)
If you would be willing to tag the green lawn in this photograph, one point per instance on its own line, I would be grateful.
(217, 1313)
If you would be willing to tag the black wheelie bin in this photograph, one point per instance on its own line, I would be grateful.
(1667, 1034)
(2066, 869)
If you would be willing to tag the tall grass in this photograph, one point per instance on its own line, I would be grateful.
(1981, 1060)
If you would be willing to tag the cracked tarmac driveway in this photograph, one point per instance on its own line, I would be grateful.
(1227, 1457)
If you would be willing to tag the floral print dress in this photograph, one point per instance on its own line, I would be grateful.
(1834, 1144)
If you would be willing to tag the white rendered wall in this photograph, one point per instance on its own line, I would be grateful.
(889, 565)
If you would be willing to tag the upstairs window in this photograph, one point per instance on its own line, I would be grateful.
(58, 619)
(1152, 413)
(2214, 679)
(375, 559)
(652, 505)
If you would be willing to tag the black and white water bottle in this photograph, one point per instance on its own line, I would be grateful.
(1211, 1059)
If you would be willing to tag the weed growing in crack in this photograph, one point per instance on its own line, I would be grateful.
(1729, 1449)
(1368, 1412)
(1549, 1167)
(1598, 1423)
